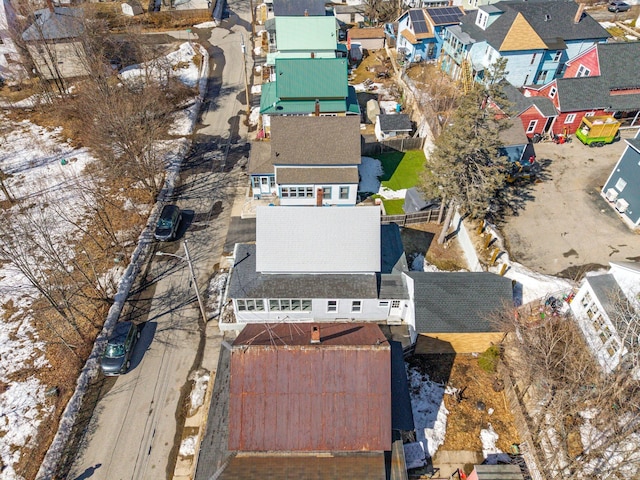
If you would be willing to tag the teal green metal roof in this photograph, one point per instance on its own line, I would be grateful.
(306, 33)
(270, 104)
(311, 78)
(271, 57)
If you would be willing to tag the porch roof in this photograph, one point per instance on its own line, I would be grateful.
(260, 159)
(316, 175)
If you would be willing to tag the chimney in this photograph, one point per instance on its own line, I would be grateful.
(315, 335)
(313, 54)
(50, 5)
(306, 12)
(319, 197)
(317, 110)
(578, 16)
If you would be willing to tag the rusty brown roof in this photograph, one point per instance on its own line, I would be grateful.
(288, 395)
(343, 467)
(357, 33)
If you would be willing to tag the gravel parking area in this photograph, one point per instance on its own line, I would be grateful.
(563, 226)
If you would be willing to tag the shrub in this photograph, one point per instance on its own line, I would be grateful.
(488, 360)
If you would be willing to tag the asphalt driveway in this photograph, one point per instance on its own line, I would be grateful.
(563, 226)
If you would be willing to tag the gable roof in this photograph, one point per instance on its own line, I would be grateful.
(355, 465)
(260, 159)
(318, 240)
(315, 140)
(520, 103)
(287, 394)
(299, 8)
(549, 21)
(62, 23)
(306, 33)
(399, 122)
(458, 302)
(299, 78)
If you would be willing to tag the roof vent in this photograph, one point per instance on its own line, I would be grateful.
(547, 17)
(315, 335)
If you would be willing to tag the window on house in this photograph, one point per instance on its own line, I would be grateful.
(598, 323)
(383, 303)
(583, 71)
(570, 118)
(256, 182)
(605, 334)
(296, 192)
(557, 56)
(620, 184)
(526, 80)
(356, 306)
(344, 193)
(332, 305)
(290, 305)
(250, 305)
(552, 92)
(591, 312)
(326, 192)
(586, 300)
(613, 347)
(272, 182)
(395, 303)
(532, 126)
(533, 58)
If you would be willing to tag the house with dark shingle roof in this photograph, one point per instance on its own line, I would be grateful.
(607, 310)
(535, 37)
(54, 44)
(310, 401)
(392, 126)
(420, 31)
(308, 86)
(536, 113)
(604, 80)
(452, 310)
(299, 8)
(622, 188)
(310, 161)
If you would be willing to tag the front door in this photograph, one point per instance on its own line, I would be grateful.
(264, 186)
(396, 309)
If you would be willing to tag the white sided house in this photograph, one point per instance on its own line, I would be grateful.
(607, 309)
(310, 161)
(317, 264)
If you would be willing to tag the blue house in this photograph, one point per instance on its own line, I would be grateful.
(420, 31)
(622, 189)
(536, 39)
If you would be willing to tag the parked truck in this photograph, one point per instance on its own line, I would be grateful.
(598, 130)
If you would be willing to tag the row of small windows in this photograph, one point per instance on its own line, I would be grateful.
(308, 192)
(600, 325)
(300, 305)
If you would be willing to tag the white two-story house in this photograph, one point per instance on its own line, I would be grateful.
(317, 264)
(310, 161)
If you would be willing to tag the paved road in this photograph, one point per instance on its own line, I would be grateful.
(134, 431)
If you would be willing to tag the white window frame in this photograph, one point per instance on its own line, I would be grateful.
(290, 305)
(250, 304)
(570, 118)
(326, 192)
(356, 306)
(383, 303)
(395, 303)
(552, 92)
(583, 71)
(332, 306)
(344, 193)
(557, 56)
(532, 126)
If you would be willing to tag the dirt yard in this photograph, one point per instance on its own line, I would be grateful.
(561, 225)
(471, 414)
(423, 239)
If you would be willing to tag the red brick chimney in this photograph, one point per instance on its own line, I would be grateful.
(319, 197)
(317, 109)
(315, 334)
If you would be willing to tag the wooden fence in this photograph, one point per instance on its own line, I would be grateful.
(399, 145)
(412, 218)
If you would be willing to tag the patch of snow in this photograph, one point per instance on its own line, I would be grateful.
(607, 24)
(188, 446)
(389, 194)
(201, 381)
(535, 286)
(370, 171)
(429, 412)
(178, 64)
(205, 25)
(492, 454)
(256, 89)
(254, 116)
(388, 106)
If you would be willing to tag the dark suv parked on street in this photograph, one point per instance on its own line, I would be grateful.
(168, 223)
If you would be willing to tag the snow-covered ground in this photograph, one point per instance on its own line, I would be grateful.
(45, 174)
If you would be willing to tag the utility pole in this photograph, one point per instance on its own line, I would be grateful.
(243, 46)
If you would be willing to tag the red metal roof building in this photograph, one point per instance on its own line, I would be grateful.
(310, 388)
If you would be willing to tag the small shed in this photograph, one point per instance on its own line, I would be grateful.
(392, 126)
(368, 38)
(132, 8)
(414, 201)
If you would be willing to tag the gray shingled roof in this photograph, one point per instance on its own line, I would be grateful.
(298, 8)
(514, 134)
(312, 175)
(559, 25)
(399, 122)
(311, 140)
(63, 22)
(458, 302)
(260, 158)
(245, 282)
(619, 69)
(520, 103)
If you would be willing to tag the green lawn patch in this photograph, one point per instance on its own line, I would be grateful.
(394, 207)
(401, 169)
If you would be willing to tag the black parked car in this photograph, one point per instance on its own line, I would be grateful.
(618, 7)
(116, 359)
(168, 223)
